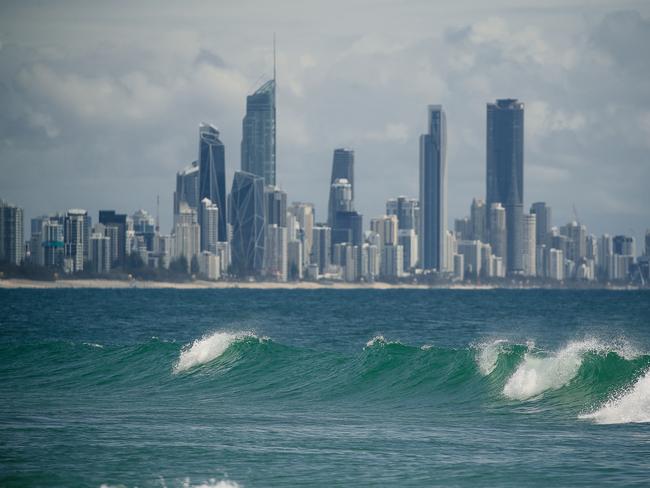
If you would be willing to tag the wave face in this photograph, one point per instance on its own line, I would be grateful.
(383, 372)
(632, 405)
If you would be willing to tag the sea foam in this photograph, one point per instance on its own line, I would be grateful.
(537, 374)
(630, 406)
(208, 348)
(488, 355)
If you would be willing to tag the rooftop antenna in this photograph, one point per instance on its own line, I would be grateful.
(274, 56)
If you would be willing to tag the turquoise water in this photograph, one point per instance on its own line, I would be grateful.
(171, 388)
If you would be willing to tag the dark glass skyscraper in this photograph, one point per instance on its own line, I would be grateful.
(342, 168)
(505, 171)
(433, 191)
(247, 220)
(258, 133)
(212, 175)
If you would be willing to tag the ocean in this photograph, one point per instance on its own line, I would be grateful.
(260, 388)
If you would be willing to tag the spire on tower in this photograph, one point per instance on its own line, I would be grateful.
(274, 56)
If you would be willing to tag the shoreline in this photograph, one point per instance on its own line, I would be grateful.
(16, 283)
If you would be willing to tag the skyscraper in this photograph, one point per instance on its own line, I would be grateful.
(433, 191)
(258, 133)
(543, 221)
(275, 206)
(407, 211)
(212, 174)
(209, 215)
(478, 219)
(505, 171)
(74, 231)
(116, 229)
(342, 168)
(187, 234)
(498, 237)
(247, 219)
(304, 214)
(321, 250)
(187, 187)
(529, 245)
(11, 233)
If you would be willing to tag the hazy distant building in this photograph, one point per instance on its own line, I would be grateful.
(387, 228)
(275, 253)
(275, 206)
(321, 250)
(73, 233)
(304, 214)
(212, 175)
(100, 252)
(556, 265)
(498, 237)
(342, 168)
(505, 171)
(433, 191)
(187, 187)
(529, 245)
(624, 245)
(408, 239)
(187, 234)
(479, 220)
(258, 145)
(248, 226)
(209, 216)
(116, 229)
(407, 211)
(12, 247)
(543, 221)
(463, 228)
(471, 250)
(576, 235)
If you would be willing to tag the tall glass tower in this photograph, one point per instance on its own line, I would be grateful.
(342, 168)
(258, 133)
(212, 175)
(247, 220)
(433, 191)
(505, 171)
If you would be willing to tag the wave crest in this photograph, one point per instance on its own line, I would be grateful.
(630, 406)
(208, 348)
(537, 374)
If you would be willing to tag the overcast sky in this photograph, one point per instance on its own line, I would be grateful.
(100, 104)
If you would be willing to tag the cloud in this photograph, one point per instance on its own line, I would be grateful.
(119, 101)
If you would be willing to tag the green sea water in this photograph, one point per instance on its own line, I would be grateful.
(256, 388)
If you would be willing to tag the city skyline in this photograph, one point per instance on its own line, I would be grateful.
(569, 155)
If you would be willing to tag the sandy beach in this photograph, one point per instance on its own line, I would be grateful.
(198, 284)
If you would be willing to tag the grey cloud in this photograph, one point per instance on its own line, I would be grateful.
(106, 122)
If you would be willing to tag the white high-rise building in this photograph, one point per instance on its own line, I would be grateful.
(304, 214)
(529, 245)
(100, 252)
(187, 233)
(74, 231)
(498, 236)
(556, 266)
(275, 254)
(408, 239)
